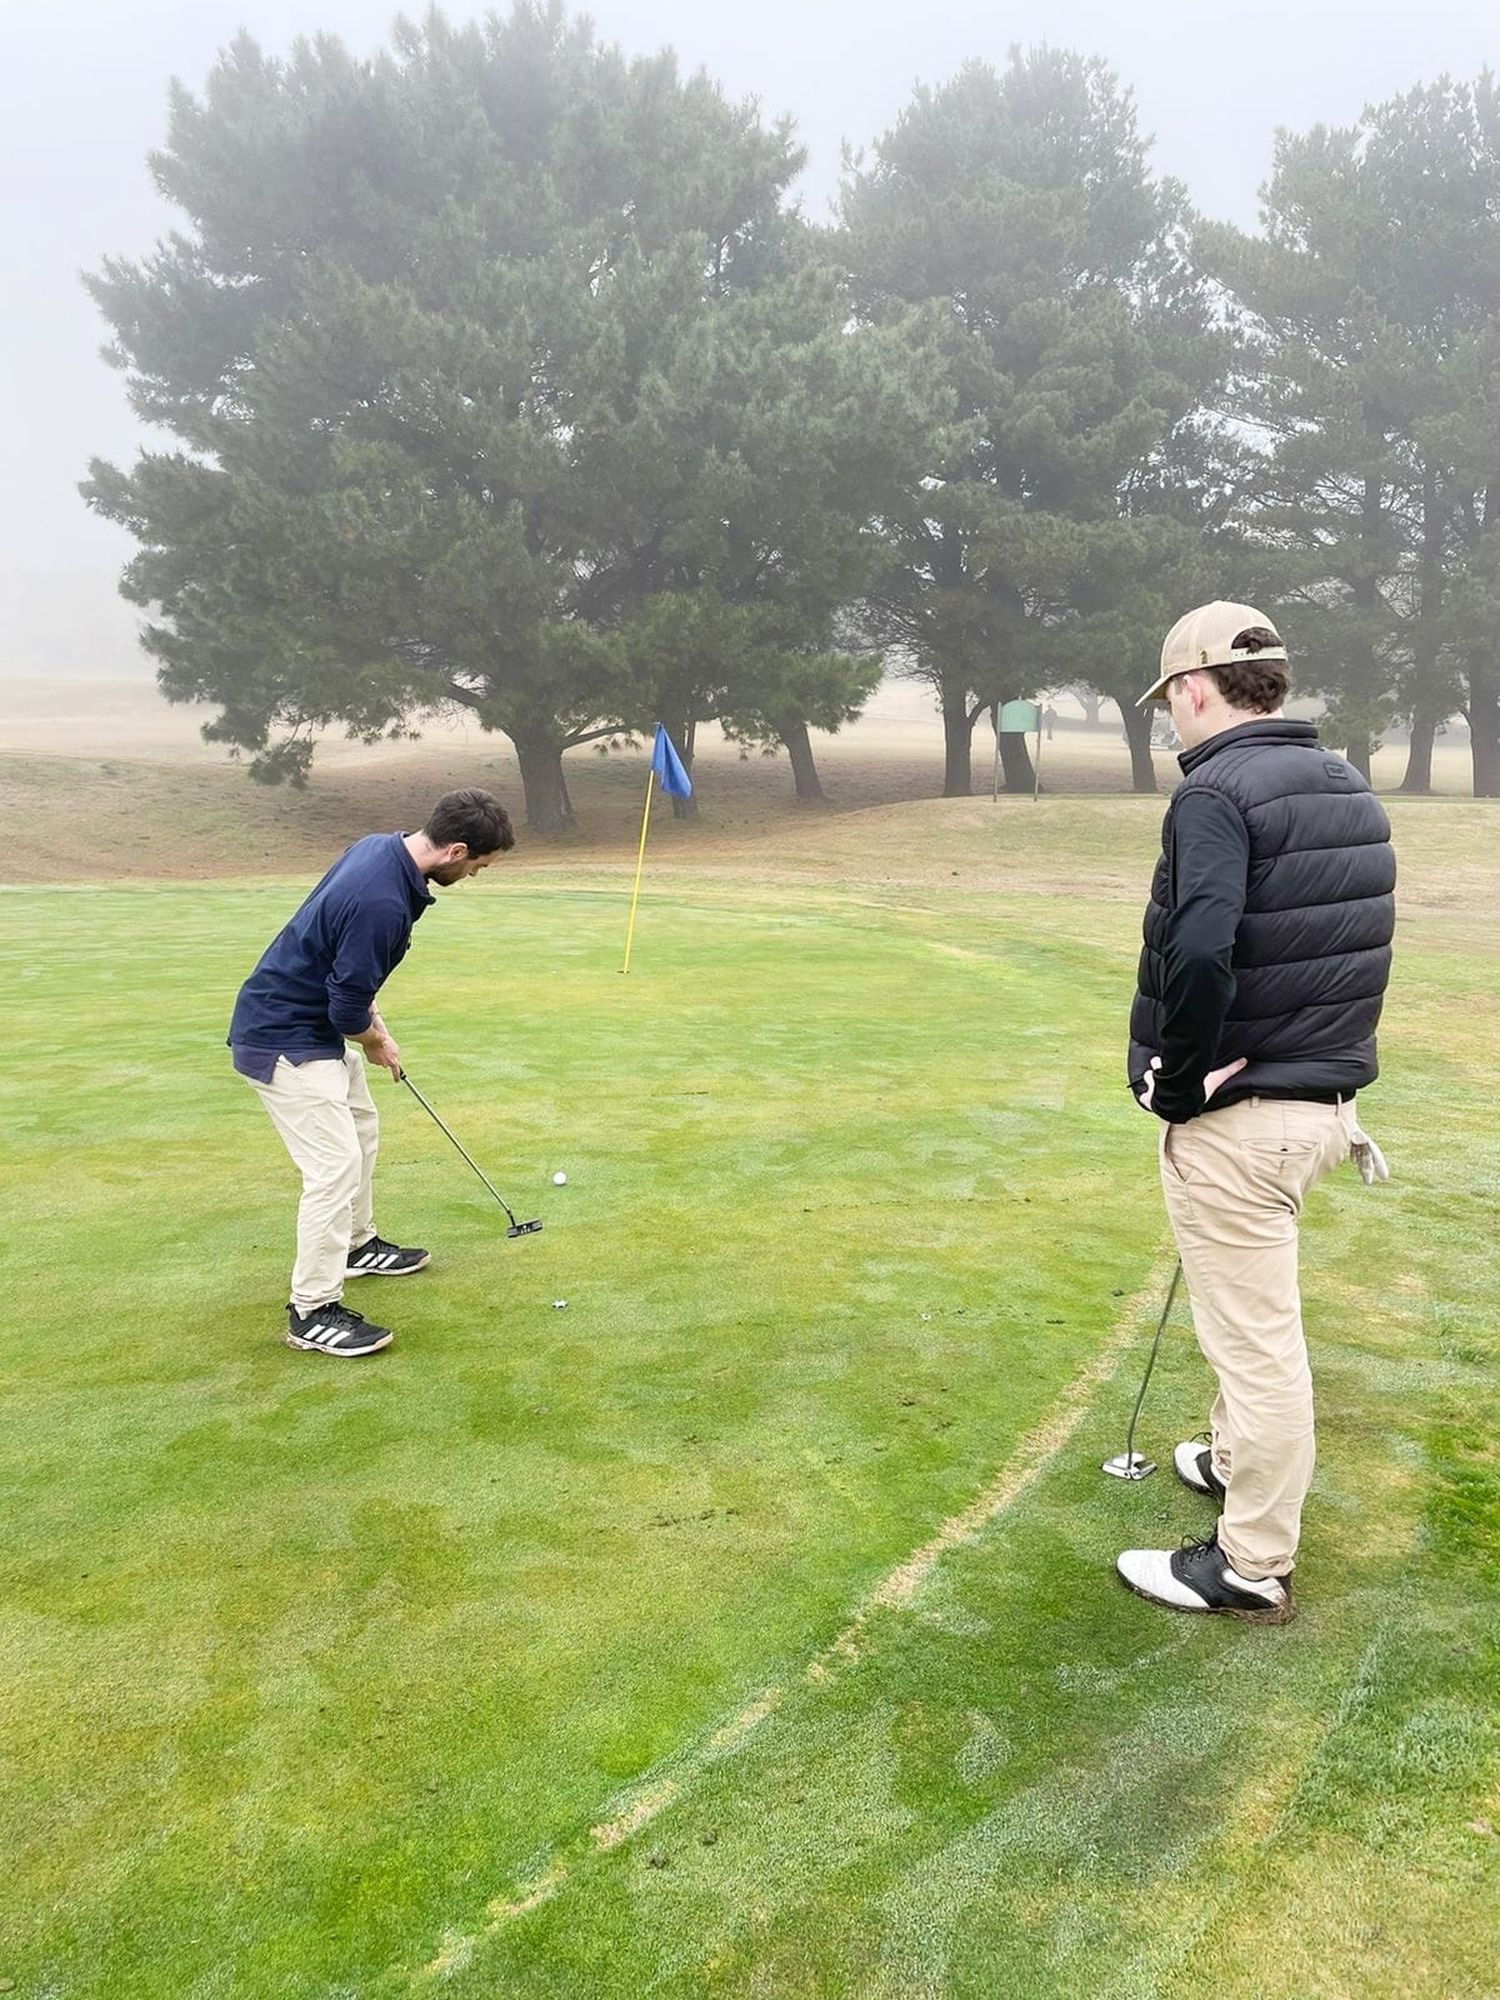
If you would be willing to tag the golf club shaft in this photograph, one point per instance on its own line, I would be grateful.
(1161, 1327)
(454, 1142)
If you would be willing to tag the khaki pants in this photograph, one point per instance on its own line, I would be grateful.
(1234, 1182)
(326, 1116)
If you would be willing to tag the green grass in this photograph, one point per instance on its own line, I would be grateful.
(313, 1675)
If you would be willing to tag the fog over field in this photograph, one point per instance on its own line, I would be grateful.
(83, 100)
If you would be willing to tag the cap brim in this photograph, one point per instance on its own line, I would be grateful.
(1158, 688)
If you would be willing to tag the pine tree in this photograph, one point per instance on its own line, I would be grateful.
(440, 344)
(1370, 301)
(1017, 210)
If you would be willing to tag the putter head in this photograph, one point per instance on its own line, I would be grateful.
(1131, 1465)
(523, 1228)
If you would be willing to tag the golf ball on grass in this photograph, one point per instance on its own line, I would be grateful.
(559, 1180)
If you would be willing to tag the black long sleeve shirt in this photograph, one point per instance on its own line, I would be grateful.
(1209, 862)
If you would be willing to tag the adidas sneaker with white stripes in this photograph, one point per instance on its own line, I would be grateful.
(379, 1259)
(333, 1329)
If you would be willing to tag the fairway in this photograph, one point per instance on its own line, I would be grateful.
(714, 1594)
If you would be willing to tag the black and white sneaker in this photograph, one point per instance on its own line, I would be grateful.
(1194, 1465)
(1199, 1577)
(379, 1259)
(333, 1329)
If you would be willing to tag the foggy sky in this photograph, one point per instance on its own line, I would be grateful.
(83, 98)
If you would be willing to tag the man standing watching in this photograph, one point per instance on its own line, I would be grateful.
(1267, 952)
(303, 1024)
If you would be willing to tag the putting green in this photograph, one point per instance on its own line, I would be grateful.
(618, 1645)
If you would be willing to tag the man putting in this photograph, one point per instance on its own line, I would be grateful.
(304, 1022)
(1267, 952)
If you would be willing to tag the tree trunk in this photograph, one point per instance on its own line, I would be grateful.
(1424, 719)
(1483, 708)
(686, 739)
(1484, 734)
(958, 743)
(1016, 764)
(1418, 776)
(1092, 703)
(548, 807)
(1364, 688)
(1138, 735)
(793, 733)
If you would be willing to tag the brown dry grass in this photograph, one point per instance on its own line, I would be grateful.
(102, 780)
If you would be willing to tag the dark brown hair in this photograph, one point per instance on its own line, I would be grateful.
(476, 818)
(1257, 685)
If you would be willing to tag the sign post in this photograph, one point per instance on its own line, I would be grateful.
(1018, 718)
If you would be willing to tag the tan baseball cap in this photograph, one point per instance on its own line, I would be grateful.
(1206, 638)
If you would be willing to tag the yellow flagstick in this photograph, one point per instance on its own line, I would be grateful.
(635, 894)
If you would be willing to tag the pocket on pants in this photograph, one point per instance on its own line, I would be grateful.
(1176, 1156)
(1170, 1159)
(325, 1077)
(1286, 1171)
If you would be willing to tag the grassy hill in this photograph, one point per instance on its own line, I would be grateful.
(714, 1594)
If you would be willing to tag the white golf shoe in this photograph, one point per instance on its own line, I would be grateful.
(1200, 1577)
(1193, 1463)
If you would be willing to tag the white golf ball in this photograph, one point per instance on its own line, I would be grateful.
(559, 1180)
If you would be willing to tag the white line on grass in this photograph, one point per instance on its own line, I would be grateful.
(666, 1782)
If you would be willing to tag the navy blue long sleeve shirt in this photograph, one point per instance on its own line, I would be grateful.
(316, 981)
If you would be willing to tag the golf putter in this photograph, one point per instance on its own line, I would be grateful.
(516, 1228)
(1130, 1464)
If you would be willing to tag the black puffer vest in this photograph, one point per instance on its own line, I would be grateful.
(1312, 954)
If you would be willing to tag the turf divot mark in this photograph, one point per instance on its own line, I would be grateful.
(504, 1909)
(611, 1832)
(456, 1952)
(669, 1780)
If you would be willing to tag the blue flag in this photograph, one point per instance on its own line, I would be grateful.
(668, 767)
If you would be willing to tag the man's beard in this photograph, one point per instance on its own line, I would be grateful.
(446, 877)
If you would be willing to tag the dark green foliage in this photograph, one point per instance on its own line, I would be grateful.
(1050, 539)
(502, 372)
(471, 352)
(1370, 300)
